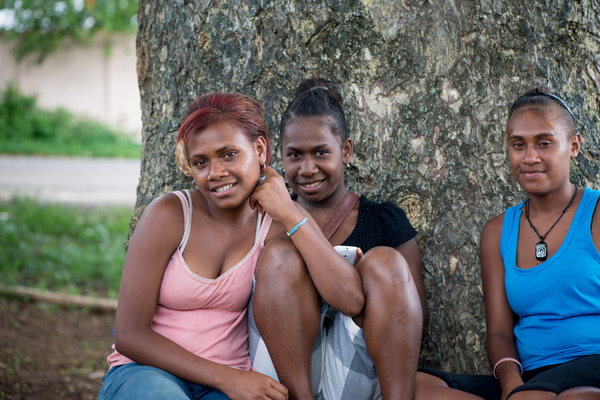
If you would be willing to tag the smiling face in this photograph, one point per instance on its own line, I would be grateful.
(540, 151)
(225, 163)
(314, 159)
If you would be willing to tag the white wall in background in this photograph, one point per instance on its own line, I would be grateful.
(83, 79)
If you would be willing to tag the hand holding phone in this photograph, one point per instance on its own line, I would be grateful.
(347, 252)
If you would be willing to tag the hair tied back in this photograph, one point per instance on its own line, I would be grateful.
(538, 93)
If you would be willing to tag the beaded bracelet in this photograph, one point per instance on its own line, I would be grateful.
(294, 229)
(507, 359)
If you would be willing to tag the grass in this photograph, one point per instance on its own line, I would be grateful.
(72, 249)
(27, 129)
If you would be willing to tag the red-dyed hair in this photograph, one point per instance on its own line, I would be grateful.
(209, 109)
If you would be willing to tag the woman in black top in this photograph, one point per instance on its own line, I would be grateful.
(309, 342)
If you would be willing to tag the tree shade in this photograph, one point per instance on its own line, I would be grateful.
(427, 87)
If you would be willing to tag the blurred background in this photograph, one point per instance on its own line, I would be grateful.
(70, 132)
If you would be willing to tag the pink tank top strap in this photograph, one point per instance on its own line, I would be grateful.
(264, 221)
(186, 203)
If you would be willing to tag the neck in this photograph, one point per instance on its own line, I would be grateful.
(552, 203)
(234, 215)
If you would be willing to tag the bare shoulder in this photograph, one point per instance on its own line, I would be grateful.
(164, 214)
(492, 230)
(489, 244)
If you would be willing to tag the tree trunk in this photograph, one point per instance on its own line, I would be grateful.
(427, 86)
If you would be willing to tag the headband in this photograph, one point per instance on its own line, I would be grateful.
(551, 96)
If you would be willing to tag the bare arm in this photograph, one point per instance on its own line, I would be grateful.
(337, 281)
(410, 252)
(499, 316)
(156, 237)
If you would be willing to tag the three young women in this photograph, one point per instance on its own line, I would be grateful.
(311, 341)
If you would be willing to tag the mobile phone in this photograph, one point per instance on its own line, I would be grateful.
(348, 252)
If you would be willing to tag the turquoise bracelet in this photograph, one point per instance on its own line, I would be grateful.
(294, 229)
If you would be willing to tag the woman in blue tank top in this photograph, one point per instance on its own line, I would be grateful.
(540, 268)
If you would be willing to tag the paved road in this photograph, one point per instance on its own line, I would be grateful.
(70, 180)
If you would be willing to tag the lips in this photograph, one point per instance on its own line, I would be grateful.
(531, 173)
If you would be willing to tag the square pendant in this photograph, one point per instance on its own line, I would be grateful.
(541, 251)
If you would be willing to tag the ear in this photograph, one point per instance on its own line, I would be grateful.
(575, 145)
(347, 151)
(261, 149)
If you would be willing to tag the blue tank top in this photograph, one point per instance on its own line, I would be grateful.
(558, 301)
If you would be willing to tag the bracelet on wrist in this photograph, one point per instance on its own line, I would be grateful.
(294, 229)
(507, 359)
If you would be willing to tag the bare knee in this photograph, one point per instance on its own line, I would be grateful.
(281, 278)
(385, 267)
(280, 261)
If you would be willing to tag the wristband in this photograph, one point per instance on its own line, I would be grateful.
(507, 359)
(294, 229)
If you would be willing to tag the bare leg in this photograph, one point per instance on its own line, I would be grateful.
(533, 395)
(287, 312)
(431, 387)
(392, 321)
(580, 393)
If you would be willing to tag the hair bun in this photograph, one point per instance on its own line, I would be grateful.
(319, 84)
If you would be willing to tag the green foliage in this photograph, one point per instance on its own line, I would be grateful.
(63, 248)
(26, 129)
(39, 26)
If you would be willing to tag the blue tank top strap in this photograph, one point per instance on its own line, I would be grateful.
(508, 240)
(588, 200)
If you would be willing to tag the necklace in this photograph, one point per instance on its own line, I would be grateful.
(541, 248)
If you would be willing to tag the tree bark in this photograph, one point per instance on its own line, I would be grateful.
(427, 86)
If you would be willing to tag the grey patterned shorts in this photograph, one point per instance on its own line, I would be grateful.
(341, 366)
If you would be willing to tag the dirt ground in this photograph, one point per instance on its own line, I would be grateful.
(52, 352)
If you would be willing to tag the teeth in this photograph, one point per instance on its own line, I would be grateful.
(224, 188)
(312, 185)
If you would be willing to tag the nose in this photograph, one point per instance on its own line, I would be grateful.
(216, 170)
(531, 155)
(308, 167)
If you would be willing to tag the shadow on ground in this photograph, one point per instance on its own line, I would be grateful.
(51, 352)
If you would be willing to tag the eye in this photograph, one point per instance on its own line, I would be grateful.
(322, 152)
(229, 154)
(200, 163)
(545, 143)
(293, 154)
(517, 145)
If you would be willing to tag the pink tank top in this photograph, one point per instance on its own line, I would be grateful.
(207, 317)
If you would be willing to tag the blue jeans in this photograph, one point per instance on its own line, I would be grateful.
(134, 381)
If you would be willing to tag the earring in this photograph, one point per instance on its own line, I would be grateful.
(262, 176)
